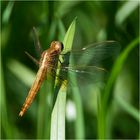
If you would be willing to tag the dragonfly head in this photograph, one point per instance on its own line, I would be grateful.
(58, 46)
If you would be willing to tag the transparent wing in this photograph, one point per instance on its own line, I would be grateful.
(88, 74)
(91, 63)
(94, 54)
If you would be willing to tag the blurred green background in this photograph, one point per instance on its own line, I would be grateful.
(96, 21)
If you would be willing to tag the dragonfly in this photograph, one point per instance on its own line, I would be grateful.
(85, 62)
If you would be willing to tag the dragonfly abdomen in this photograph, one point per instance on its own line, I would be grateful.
(34, 89)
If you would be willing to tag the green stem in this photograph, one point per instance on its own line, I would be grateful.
(117, 68)
(104, 102)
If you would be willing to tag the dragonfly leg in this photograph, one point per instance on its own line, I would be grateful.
(32, 58)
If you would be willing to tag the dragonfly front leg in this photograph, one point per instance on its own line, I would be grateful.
(32, 58)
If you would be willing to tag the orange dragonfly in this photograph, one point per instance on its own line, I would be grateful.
(87, 61)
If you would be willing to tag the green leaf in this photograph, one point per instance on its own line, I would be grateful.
(117, 67)
(9, 128)
(5, 124)
(58, 116)
(17, 68)
(58, 113)
(68, 40)
(7, 12)
(63, 7)
(107, 91)
(128, 108)
(125, 11)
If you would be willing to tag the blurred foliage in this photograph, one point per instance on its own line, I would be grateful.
(96, 21)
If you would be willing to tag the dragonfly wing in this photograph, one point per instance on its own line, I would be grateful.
(95, 54)
(90, 64)
(83, 75)
(37, 42)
